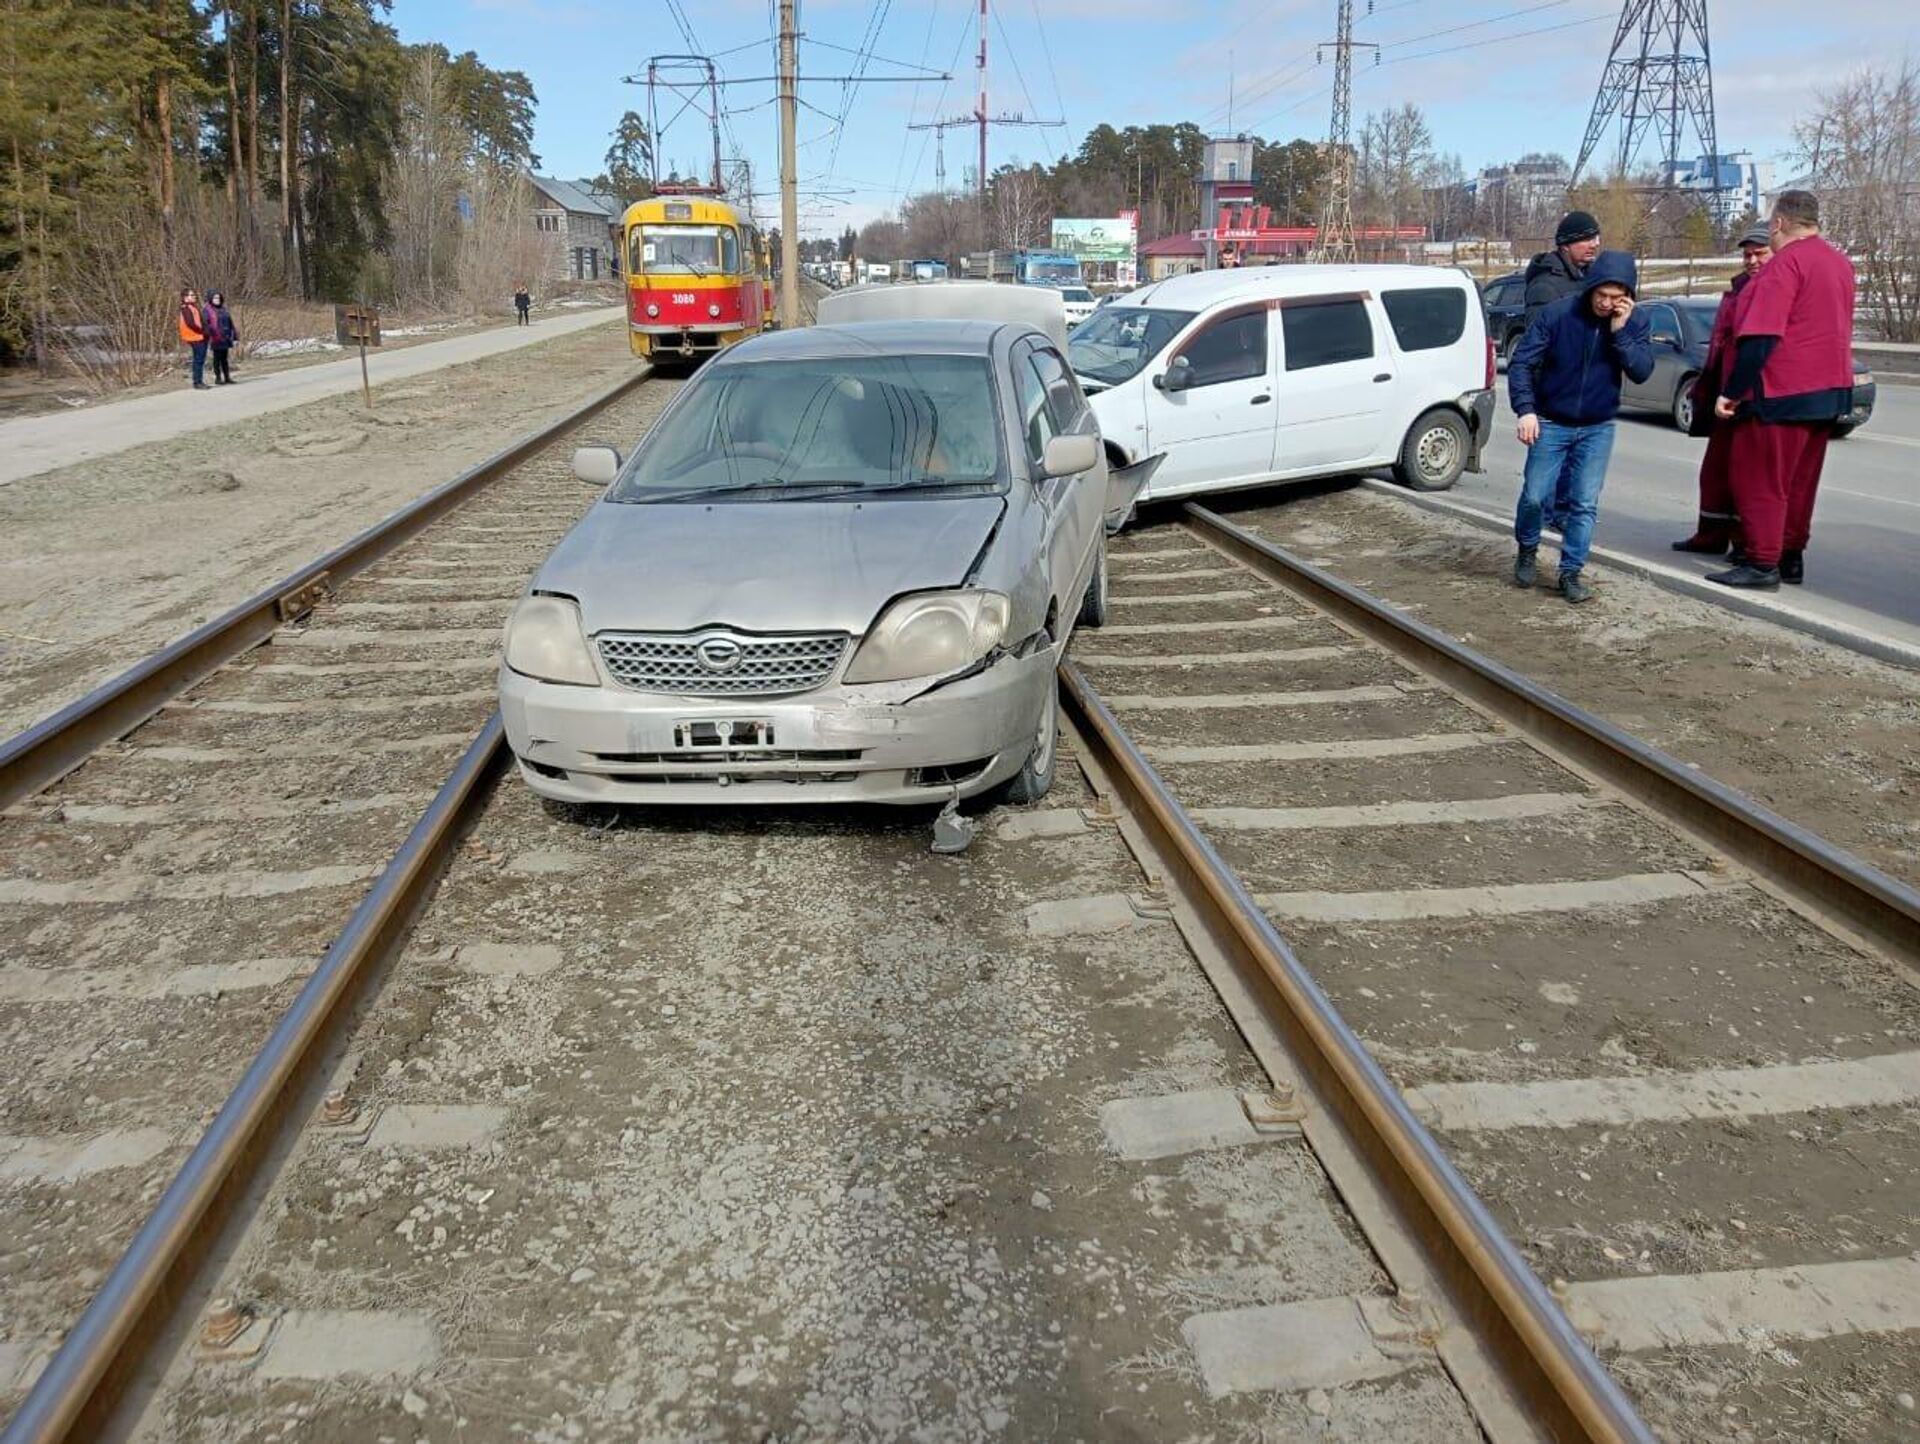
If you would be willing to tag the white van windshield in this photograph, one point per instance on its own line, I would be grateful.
(1116, 342)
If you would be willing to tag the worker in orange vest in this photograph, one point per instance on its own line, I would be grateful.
(195, 328)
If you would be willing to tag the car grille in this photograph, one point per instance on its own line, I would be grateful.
(718, 663)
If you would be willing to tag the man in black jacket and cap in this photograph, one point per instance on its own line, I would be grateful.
(1562, 271)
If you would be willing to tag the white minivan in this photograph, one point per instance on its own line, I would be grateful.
(1280, 373)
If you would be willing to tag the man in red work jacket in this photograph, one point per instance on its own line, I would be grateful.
(1719, 523)
(1791, 379)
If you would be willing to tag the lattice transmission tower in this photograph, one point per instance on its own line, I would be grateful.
(1659, 78)
(1336, 222)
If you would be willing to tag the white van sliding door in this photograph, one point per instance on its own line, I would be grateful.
(1336, 381)
(1218, 431)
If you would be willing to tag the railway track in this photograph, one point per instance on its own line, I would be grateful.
(688, 1125)
(162, 905)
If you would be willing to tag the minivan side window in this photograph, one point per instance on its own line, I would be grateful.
(1428, 318)
(1035, 423)
(1325, 333)
(1234, 349)
(1500, 293)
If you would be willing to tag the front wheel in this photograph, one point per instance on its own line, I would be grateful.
(1096, 603)
(1035, 778)
(1435, 452)
(1683, 405)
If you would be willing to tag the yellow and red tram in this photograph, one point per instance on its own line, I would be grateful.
(697, 277)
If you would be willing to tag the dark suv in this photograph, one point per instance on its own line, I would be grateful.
(1505, 300)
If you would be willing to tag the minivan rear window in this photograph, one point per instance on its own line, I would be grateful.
(1428, 318)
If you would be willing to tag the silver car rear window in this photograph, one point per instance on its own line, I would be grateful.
(853, 424)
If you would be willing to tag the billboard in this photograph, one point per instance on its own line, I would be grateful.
(1096, 240)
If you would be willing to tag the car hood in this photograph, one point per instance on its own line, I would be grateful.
(763, 566)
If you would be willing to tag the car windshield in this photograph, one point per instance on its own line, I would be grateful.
(841, 427)
(1080, 295)
(1115, 342)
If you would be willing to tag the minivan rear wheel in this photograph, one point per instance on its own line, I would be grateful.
(1435, 451)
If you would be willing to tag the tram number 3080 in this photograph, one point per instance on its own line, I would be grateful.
(683, 298)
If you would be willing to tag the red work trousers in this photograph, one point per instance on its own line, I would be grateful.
(1776, 476)
(1719, 517)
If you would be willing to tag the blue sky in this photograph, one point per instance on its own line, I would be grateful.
(1495, 77)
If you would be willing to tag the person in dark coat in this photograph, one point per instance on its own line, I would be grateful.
(1556, 273)
(1562, 271)
(221, 337)
(1719, 524)
(1564, 382)
(522, 304)
(193, 332)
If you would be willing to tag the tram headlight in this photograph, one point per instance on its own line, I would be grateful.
(652, 310)
(713, 310)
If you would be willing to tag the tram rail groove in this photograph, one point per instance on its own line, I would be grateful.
(1829, 881)
(1539, 1361)
(157, 1279)
(47, 751)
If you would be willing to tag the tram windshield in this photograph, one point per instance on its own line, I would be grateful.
(704, 250)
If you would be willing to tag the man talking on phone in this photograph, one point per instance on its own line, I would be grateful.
(1564, 381)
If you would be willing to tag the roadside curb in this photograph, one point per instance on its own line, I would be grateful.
(1760, 608)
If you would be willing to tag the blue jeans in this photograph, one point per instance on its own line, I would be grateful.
(199, 360)
(1568, 462)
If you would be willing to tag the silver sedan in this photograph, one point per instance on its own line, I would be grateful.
(842, 567)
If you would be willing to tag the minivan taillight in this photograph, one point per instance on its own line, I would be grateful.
(1490, 366)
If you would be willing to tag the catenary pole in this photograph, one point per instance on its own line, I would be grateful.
(789, 179)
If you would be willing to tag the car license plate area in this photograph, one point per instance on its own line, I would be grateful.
(725, 734)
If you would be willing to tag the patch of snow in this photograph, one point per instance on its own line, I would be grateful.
(298, 346)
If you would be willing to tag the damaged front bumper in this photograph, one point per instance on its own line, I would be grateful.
(913, 742)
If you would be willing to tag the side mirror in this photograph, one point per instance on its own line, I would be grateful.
(1177, 377)
(1070, 455)
(596, 465)
(1667, 338)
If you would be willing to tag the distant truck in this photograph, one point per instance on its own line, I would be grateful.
(1025, 267)
(920, 270)
(874, 272)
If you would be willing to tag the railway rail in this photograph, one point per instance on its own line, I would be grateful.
(758, 1066)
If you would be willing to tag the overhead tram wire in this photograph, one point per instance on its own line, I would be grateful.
(863, 58)
(1444, 50)
(1474, 24)
(1042, 126)
(1046, 49)
(913, 114)
(966, 26)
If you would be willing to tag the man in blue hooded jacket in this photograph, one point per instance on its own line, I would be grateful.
(1564, 382)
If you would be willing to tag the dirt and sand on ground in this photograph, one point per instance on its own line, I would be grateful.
(1826, 737)
(798, 1136)
(108, 560)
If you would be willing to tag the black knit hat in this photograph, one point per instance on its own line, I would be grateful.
(1575, 226)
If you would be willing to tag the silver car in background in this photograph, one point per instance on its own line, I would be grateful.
(842, 567)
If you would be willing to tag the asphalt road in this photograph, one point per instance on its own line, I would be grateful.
(1863, 567)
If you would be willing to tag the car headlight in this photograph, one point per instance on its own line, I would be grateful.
(546, 641)
(930, 633)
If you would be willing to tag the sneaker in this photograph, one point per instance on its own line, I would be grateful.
(1574, 588)
(1793, 568)
(201, 386)
(1762, 579)
(1526, 566)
